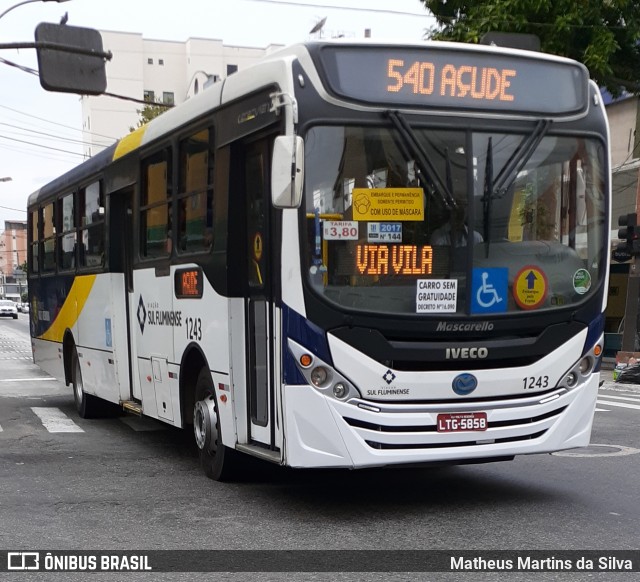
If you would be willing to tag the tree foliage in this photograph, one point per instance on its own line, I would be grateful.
(148, 112)
(602, 34)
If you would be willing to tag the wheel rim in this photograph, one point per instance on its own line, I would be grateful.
(77, 384)
(205, 425)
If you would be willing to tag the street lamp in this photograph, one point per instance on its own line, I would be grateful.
(28, 2)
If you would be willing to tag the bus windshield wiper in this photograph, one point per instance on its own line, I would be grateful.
(488, 193)
(427, 168)
(521, 156)
(508, 173)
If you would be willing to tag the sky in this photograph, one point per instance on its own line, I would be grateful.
(40, 131)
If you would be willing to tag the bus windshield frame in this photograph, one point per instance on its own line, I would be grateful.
(530, 203)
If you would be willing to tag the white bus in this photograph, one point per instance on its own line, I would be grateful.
(352, 254)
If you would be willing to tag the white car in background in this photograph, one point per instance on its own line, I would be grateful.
(8, 308)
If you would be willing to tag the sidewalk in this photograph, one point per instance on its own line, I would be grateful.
(610, 384)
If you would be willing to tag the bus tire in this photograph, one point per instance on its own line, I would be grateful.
(87, 405)
(217, 461)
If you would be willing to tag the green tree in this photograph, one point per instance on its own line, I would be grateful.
(148, 112)
(602, 34)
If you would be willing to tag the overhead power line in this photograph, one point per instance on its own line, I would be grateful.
(334, 7)
(50, 135)
(42, 146)
(58, 124)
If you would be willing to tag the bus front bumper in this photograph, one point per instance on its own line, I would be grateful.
(324, 432)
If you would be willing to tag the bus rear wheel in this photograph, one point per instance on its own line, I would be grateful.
(217, 461)
(88, 406)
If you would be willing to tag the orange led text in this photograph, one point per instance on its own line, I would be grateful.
(394, 260)
(464, 81)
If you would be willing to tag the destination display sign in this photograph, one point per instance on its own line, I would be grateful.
(189, 283)
(445, 78)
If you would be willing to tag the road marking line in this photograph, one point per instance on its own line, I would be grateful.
(36, 379)
(637, 399)
(602, 410)
(54, 420)
(620, 404)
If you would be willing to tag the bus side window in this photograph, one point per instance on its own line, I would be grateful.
(67, 235)
(195, 194)
(155, 206)
(49, 237)
(34, 241)
(91, 233)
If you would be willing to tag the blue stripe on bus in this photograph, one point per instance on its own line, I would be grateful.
(302, 331)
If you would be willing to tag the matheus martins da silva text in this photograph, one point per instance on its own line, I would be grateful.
(549, 564)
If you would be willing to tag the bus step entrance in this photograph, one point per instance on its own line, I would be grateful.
(132, 406)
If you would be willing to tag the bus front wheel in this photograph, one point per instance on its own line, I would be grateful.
(217, 460)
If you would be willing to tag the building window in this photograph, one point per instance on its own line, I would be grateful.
(161, 62)
(168, 98)
(149, 96)
(149, 61)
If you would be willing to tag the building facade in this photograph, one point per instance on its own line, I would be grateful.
(13, 246)
(624, 120)
(13, 255)
(159, 71)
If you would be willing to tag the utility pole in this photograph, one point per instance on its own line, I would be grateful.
(633, 287)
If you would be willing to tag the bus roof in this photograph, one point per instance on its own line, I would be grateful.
(257, 75)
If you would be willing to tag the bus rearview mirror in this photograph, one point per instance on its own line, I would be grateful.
(287, 171)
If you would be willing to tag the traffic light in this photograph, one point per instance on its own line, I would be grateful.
(629, 233)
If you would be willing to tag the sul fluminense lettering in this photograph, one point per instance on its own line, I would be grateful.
(464, 81)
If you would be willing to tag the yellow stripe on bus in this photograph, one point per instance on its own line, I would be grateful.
(71, 308)
(129, 142)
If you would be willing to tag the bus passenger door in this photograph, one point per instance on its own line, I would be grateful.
(259, 304)
(121, 260)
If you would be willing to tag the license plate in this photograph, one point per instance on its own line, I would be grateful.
(462, 422)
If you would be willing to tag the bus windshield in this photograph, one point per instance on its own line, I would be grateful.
(407, 220)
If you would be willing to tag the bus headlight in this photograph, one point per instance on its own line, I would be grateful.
(321, 375)
(586, 365)
(571, 379)
(583, 368)
(340, 390)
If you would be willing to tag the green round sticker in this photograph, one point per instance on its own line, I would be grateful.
(582, 281)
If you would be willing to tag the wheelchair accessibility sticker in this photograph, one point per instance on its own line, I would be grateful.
(489, 290)
(530, 287)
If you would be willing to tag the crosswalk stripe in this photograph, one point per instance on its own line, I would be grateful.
(620, 404)
(636, 399)
(54, 420)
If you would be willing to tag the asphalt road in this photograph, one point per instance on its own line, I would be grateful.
(126, 483)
